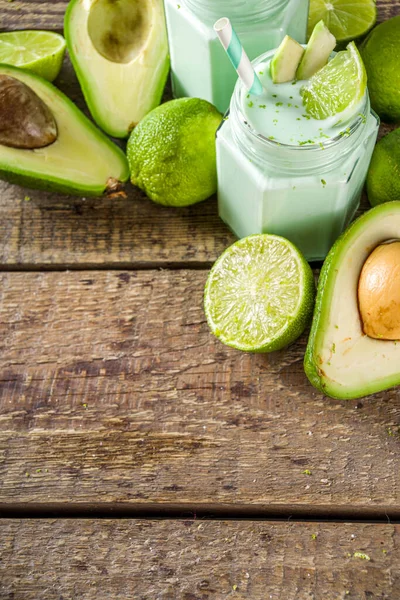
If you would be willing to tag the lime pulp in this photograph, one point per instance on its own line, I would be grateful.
(345, 19)
(259, 294)
(41, 52)
(338, 88)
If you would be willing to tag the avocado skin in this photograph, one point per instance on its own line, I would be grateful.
(47, 185)
(310, 368)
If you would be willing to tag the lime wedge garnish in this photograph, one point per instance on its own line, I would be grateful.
(345, 19)
(338, 88)
(259, 294)
(41, 52)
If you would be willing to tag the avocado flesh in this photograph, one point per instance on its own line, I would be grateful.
(120, 53)
(286, 60)
(81, 161)
(341, 360)
(319, 48)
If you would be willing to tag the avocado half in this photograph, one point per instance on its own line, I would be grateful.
(81, 161)
(341, 360)
(119, 49)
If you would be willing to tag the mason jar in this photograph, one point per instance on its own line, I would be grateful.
(306, 193)
(200, 67)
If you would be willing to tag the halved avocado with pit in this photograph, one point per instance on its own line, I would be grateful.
(119, 50)
(342, 360)
(47, 143)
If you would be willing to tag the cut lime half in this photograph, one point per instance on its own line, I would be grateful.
(41, 52)
(338, 88)
(259, 294)
(345, 19)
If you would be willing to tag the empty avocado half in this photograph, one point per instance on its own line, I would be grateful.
(354, 345)
(119, 50)
(47, 143)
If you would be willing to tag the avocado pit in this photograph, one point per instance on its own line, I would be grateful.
(379, 293)
(119, 29)
(25, 120)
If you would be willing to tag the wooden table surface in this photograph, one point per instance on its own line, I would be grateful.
(139, 457)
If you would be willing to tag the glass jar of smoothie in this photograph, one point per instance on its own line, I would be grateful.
(200, 67)
(282, 172)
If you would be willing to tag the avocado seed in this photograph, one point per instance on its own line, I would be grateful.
(25, 120)
(379, 293)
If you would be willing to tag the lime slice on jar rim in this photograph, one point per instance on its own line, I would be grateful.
(338, 89)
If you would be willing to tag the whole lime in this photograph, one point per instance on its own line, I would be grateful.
(172, 153)
(383, 180)
(381, 55)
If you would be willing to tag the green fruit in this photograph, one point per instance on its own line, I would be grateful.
(286, 60)
(259, 294)
(80, 161)
(119, 50)
(338, 88)
(319, 48)
(345, 19)
(172, 154)
(341, 360)
(41, 52)
(383, 180)
(381, 55)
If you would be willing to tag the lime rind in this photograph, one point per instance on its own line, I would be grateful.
(259, 294)
(338, 89)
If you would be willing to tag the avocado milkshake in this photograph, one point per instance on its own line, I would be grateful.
(199, 66)
(282, 171)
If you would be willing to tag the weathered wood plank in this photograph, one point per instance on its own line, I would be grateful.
(192, 560)
(32, 14)
(113, 390)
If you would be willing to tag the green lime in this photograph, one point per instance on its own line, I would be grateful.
(259, 295)
(172, 154)
(381, 55)
(345, 19)
(383, 181)
(41, 52)
(338, 88)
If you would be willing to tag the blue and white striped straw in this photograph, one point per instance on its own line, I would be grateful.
(238, 56)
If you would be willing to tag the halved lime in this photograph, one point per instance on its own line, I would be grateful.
(259, 294)
(345, 19)
(41, 52)
(338, 88)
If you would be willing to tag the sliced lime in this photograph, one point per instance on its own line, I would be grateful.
(345, 19)
(41, 52)
(338, 88)
(259, 294)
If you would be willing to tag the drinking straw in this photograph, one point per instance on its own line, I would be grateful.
(238, 56)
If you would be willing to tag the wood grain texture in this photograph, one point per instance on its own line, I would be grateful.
(112, 390)
(192, 560)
